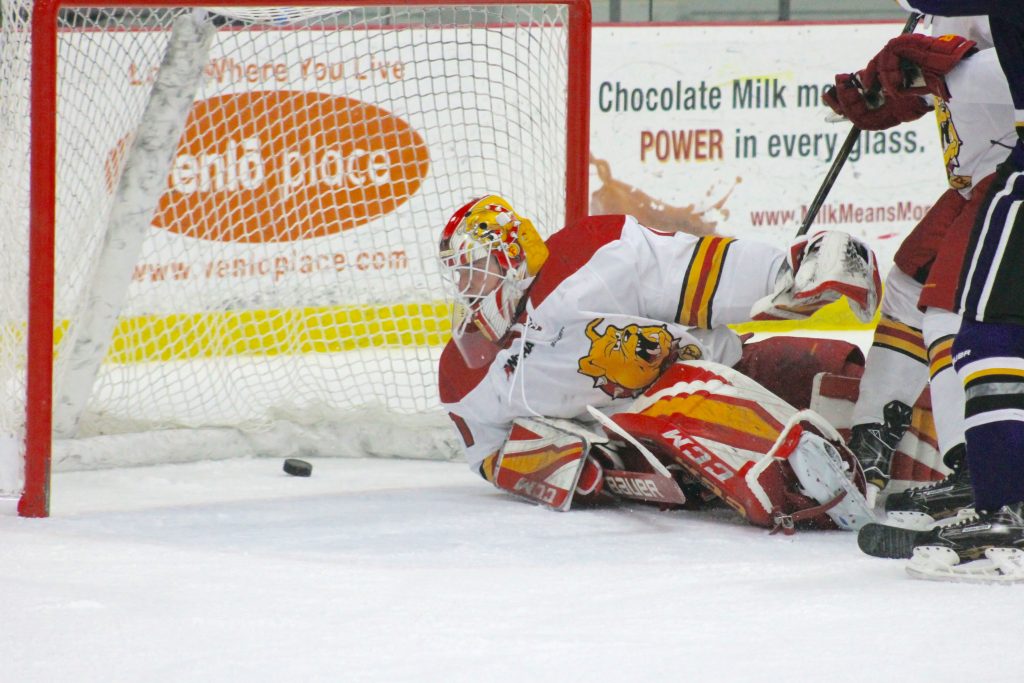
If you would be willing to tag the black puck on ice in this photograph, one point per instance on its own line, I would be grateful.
(297, 468)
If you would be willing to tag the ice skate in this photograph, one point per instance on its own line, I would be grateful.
(874, 443)
(985, 548)
(921, 506)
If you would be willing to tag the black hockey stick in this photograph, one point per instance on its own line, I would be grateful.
(884, 540)
(844, 152)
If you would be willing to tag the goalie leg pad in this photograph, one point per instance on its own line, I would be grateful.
(812, 484)
(545, 460)
(672, 444)
(734, 437)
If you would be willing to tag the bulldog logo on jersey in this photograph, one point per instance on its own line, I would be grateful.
(624, 361)
(950, 146)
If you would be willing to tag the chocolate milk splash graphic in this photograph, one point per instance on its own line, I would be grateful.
(615, 196)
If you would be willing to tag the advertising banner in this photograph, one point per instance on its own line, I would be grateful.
(721, 129)
(318, 168)
(708, 129)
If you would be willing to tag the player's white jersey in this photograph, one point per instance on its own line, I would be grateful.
(614, 304)
(976, 125)
(975, 27)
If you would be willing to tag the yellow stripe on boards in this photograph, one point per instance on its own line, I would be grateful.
(276, 332)
(333, 329)
(833, 317)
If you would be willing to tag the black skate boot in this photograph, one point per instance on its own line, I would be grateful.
(968, 535)
(874, 443)
(950, 552)
(921, 506)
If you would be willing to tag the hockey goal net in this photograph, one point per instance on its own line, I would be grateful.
(219, 224)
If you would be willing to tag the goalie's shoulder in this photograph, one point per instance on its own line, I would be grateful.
(455, 379)
(572, 248)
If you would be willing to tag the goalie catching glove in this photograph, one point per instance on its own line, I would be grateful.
(821, 269)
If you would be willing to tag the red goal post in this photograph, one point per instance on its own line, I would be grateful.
(231, 216)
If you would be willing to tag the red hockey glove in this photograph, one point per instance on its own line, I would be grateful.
(917, 64)
(871, 111)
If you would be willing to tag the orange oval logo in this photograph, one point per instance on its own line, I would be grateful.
(278, 166)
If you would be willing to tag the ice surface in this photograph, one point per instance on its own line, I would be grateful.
(382, 570)
(402, 570)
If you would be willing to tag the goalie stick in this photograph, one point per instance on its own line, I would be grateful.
(655, 487)
(610, 425)
(841, 156)
(643, 486)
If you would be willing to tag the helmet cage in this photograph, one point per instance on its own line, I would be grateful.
(484, 265)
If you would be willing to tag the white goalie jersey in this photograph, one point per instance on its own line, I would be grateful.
(613, 306)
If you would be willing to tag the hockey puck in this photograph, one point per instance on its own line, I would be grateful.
(297, 468)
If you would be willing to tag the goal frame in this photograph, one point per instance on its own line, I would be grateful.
(35, 497)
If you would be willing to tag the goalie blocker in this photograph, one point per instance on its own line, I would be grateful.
(718, 433)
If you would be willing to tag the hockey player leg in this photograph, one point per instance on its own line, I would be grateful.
(895, 374)
(935, 250)
(989, 359)
(988, 547)
(947, 392)
(921, 506)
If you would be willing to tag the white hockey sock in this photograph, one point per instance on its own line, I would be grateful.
(940, 329)
(897, 363)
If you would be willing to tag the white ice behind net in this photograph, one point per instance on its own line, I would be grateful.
(250, 322)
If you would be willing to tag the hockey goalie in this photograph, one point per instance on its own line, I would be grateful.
(598, 365)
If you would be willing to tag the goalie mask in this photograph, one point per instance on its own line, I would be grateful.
(489, 254)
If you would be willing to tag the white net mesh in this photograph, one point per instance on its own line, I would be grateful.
(288, 273)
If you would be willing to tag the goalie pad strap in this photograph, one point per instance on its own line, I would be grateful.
(787, 523)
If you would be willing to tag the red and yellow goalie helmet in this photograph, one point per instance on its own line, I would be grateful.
(489, 254)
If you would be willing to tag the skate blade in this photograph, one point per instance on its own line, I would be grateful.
(935, 563)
